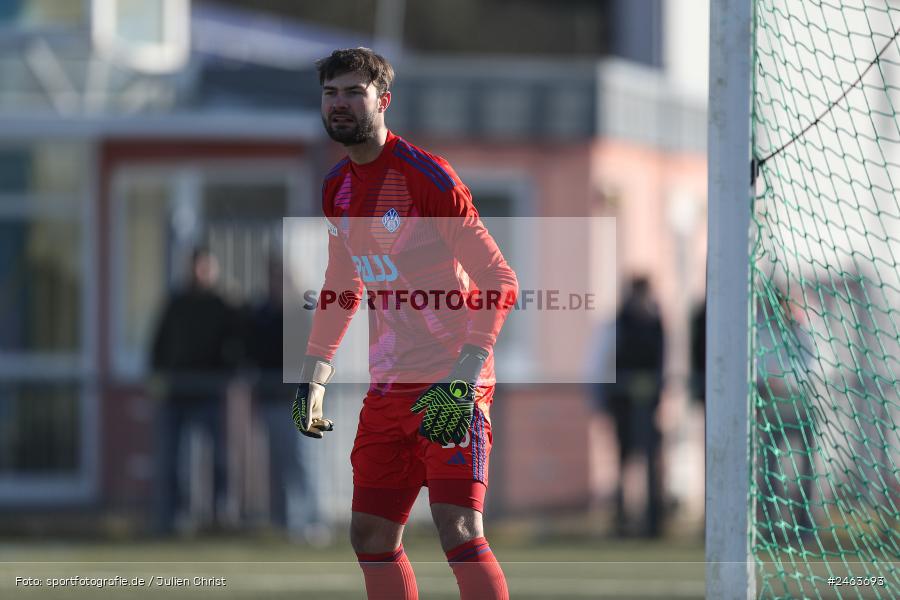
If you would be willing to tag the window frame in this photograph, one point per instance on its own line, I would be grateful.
(130, 364)
(167, 55)
(80, 365)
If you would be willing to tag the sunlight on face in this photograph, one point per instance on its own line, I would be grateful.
(351, 108)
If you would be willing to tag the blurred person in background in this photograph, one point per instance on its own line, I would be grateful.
(698, 352)
(633, 400)
(265, 341)
(433, 431)
(785, 419)
(195, 350)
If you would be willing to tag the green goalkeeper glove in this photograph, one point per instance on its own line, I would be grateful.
(449, 405)
(307, 409)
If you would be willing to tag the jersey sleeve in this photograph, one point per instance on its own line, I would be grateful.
(461, 228)
(331, 319)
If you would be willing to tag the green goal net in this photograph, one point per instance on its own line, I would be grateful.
(825, 299)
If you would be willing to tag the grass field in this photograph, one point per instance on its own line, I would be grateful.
(272, 568)
(267, 567)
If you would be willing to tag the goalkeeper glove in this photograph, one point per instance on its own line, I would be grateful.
(449, 405)
(307, 409)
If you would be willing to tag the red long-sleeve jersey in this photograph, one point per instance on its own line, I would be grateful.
(407, 241)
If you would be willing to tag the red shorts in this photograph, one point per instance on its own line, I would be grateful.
(392, 461)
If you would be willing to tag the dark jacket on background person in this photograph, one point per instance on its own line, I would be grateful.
(698, 353)
(196, 336)
(639, 347)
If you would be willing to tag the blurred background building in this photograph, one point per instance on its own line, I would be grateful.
(133, 130)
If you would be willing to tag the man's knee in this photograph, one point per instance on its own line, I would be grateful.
(456, 525)
(371, 534)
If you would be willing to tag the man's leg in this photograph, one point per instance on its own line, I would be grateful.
(376, 539)
(457, 475)
(284, 467)
(655, 501)
(170, 418)
(371, 534)
(477, 571)
(387, 479)
(620, 410)
(649, 439)
(209, 415)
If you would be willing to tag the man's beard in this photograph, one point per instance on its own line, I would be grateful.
(363, 131)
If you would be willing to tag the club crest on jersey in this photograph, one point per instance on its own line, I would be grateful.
(391, 220)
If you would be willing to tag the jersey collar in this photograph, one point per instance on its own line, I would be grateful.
(377, 165)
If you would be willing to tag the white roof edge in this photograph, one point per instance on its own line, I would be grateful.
(300, 126)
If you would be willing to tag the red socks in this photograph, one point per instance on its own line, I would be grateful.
(477, 571)
(389, 576)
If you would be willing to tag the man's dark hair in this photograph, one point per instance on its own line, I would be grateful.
(640, 285)
(199, 253)
(357, 60)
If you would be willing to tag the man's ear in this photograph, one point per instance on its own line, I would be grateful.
(384, 101)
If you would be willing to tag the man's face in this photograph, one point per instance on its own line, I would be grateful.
(351, 108)
(206, 271)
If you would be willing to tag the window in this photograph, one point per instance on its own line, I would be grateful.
(446, 109)
(46, 346)
(164, 212)
(34, 14)
(40, 285)
(146, 35)
(508, 111)
(40, 428)
(140, 20)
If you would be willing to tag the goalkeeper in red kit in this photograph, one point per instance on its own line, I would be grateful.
(406, 242)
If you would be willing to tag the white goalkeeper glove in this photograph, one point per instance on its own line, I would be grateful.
(308, 401)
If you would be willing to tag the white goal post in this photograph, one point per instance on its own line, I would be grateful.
(729, 564)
